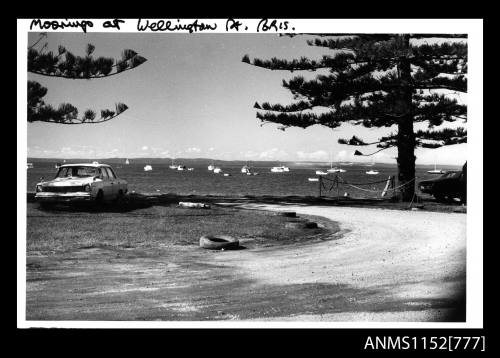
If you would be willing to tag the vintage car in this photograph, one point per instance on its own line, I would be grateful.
(82, 183)
(450, 185)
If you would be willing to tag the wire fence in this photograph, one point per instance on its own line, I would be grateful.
(339, 186)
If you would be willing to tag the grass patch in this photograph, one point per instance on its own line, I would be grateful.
(157, 226)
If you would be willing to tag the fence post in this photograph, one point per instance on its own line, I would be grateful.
(337, 184)
(320, 182)
(389, 181)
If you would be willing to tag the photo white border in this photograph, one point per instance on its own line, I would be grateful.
(474, 29)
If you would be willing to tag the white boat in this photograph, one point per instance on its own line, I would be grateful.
(336, 170)
(190, 169)
(173, 166)
(246, 169)
(211, 166)
(280, 169)
(181, 167)
(227, 174)
(217, 170)
(127, 161)
(148, 168)
(435, 171)
(313, 179)
(29, 165)
(319, 172)
(57, 165)
(372, 172)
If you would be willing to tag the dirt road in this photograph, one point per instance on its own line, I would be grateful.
(390, 265)
(387, 265)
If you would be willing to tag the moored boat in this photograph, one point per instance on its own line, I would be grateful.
(173, 166)
(280, 169)
(435, 170)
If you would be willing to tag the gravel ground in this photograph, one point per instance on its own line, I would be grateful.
(383, 265)
(410, 264)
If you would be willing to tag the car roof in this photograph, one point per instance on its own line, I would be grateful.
(98, 165)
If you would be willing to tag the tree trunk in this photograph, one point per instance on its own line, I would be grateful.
(406, 158)
(406, 135)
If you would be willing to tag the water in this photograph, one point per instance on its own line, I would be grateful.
(162, 179)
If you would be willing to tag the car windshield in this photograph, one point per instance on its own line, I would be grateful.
(77, 171)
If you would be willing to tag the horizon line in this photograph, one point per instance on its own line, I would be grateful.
(233, 160)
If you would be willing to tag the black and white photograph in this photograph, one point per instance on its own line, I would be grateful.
(250, 173)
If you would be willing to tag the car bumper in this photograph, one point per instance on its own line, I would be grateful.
(47, 197)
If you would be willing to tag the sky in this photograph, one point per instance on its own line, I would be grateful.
(194, 98)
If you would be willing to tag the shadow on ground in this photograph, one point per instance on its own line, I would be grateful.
(135, 201)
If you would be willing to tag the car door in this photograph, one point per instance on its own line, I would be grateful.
(113, 183)
(106, 186)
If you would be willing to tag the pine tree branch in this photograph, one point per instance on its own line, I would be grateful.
(356, 141)
(439, 138)
(75, 67)
(445, 36)
(80, 120)
(367, 155)
(42, 35)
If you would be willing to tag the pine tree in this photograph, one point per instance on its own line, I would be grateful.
(379, 80)
(65, 64)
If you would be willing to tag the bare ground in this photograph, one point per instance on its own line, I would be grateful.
(387, 265)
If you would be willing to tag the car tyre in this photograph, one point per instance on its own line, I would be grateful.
(120, 198)
(220, 242)
(99, 199)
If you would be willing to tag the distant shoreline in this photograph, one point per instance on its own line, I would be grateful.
(207, 161)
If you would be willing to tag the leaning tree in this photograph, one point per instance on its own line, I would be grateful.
(379, 80)
(65, 64)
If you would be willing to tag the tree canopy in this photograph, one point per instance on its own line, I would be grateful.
(65, 64)
(378, 80)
